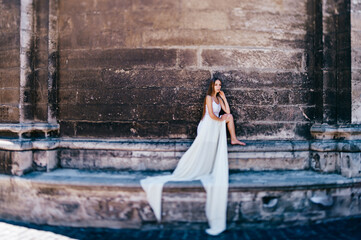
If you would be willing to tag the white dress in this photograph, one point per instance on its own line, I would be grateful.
(205, 160)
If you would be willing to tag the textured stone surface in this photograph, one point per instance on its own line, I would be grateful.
(355, 60)
(151, 155)
(145, 48)
(98, 199)
(9, 60)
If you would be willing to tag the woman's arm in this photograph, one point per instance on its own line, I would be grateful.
(210, 109)
(224, 103)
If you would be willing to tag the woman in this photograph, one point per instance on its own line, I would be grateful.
(205, 160)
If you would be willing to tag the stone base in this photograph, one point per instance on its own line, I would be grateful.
(115, 200)
(160, 155)
(337, 148)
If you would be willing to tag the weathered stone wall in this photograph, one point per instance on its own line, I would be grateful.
(141, 68)
(356, 59)
(9, 60)
(39, 85)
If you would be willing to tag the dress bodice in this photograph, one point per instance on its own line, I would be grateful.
(216, 108)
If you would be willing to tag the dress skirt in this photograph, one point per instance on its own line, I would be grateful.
(205, 160)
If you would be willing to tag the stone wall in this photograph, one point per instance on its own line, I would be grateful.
(9, 60)
(356, 60)
(141, 68)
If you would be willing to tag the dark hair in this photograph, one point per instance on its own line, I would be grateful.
(210, 92)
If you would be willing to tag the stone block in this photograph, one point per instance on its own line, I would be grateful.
(329, 59)
(356, 113)
(156, 113)
(187, 58)
(21, 162)
(99, 112)
(350, 164)
(102, 129)
(253, 113)
(355, 6)
(205, 37)
(355, 39)
(283, 97)
(302, 97)
(212, 20)
(9, 96)
(45, 160)
(119, 78)
(118, 58)
(91, 31)
(9, 59)
(142, 18)
(356, 92)
(261, 161)
(67, 128)
(266, 131)
(191, 113)
(264, 79)
(182, 129)
(344, 61)
(9, 41)
(250, 97)
(344, 80)
(355, 58)
(41, 112)
(9, 78)
(80, 79)
(5, 162)
(269, 59)
(303, 130)
(129, 160)
(330, 114)
(9, 114)
(77, 6)
(268, 22)
(325, 161)
(355, 21)
(147, 129)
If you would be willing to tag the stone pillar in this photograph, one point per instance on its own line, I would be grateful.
(337, 148)
(37, 93)
(356, 60)
(332, 66)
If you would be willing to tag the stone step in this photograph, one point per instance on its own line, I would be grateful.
(163, 155)
(71, 197)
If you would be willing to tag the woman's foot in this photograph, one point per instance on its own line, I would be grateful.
(236, 141)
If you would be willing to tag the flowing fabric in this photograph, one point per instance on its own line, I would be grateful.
(205, 160)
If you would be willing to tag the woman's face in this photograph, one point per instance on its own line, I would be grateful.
(217, 86)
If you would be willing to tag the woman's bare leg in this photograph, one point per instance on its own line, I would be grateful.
(232, 130)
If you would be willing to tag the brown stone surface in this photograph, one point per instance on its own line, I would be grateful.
(9, 78)
(120, 58)
(142, 67)
(261, 59)
(9, 59)
(235, 38)
(9, 26)
(76, 198)
(9, 96)
(9, 114)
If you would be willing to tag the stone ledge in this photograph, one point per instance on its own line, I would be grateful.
(28, 130)
(145, 144)
(237, 180)
(346, 132)
(115, 200)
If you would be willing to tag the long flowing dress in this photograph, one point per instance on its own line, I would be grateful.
(205, 160)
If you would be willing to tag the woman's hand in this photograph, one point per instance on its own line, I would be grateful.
(222, 95)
